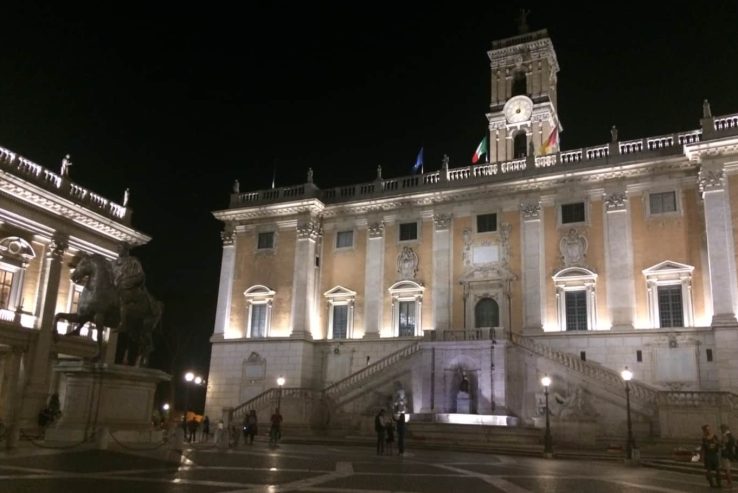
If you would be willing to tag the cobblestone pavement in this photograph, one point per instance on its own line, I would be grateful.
(321, 468)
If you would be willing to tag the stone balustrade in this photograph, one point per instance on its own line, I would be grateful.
(38, 175)
(551, 163)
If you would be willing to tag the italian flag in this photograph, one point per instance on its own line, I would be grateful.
(481, 150)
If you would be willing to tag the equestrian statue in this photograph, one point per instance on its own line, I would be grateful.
(114, 295)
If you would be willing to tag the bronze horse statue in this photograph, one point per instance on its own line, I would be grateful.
(134, 314)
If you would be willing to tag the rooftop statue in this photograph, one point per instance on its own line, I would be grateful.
(66, 163)
(114, 295)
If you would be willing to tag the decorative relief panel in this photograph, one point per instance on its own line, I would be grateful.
(573, 247)
(407, 263)
(487, 258)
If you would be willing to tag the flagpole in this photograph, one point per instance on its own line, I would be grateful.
(274, 173)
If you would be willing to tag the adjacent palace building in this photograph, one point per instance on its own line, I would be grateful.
(449, 294)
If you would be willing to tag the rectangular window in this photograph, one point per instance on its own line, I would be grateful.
(340, 321)
(639, 356)
(572, 213)
(265, 241)
(408, 231)
(407, 318)
(258, 320)
(486, 223)
(583, 355)
(344, 239)
(576, 310)
(709, 355)
(662, 202)
(6, 286)
(671, 313)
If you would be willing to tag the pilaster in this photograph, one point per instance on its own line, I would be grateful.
(303, 288)
(720, 243)
(441, 272)
(225, 287)
(374, 280)
(619, 261)
(533, 265)
(37, 383)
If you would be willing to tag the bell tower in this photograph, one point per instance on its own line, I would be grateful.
(523, 98)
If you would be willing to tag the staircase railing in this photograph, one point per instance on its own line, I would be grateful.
(699, 399)
(365, 373)
(610, 378)
(268, 396)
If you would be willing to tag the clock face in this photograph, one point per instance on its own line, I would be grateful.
(518, 109)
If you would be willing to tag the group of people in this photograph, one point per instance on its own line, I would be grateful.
(717, 454)
(385, 426)
(192, 427)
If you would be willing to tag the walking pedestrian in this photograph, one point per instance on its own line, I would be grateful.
(253, 425)
(727, 454)
(206, 429)
(275, 432)
(379, 429)
(711, 456)
(401, 434)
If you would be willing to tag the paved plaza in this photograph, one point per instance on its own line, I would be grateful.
(321, 468)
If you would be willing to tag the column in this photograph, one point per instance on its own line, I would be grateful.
(619, 261)
(374, 280)
(303, 280)
(37, 383)
(533, 265)
(720, 249)
(442, 272)
(225, 287)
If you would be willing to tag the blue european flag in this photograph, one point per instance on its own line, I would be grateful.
(418, 162)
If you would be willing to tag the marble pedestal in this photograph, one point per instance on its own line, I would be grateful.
(106, 402)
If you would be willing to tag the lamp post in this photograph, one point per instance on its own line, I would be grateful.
(189, 377)
(547, 440)
(630, 445)
(280, 383)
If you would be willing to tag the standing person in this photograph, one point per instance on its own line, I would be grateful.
(390, 431)
(206, 429)
(275, 432)
(185, 428)
(253, 425)
(728, 452)
(219, 432)
(245, 427)
(711, 455)
(379, 429)
(401, 434)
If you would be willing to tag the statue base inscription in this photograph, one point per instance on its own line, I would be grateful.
(463, 403)
(100, 403)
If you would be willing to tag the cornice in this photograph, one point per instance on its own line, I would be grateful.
(47, 201)
(311, 206)
(711, 148)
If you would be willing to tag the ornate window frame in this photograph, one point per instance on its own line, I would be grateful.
(576, 279)
(340, 296)
(669, 273)
(15, 255)
(677, 200)
(259, 295)
(406, 291)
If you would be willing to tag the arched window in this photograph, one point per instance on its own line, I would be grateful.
(259, 311)
(486, 313)
(519, 85)
(520, 145)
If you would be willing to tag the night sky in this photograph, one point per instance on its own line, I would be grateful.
(177, 102)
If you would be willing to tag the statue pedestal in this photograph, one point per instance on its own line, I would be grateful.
(463, 403)
(106, 402)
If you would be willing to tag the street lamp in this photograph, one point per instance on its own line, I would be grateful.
(630, 445)
(547, 440)
(280, 382)
(165, 407)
